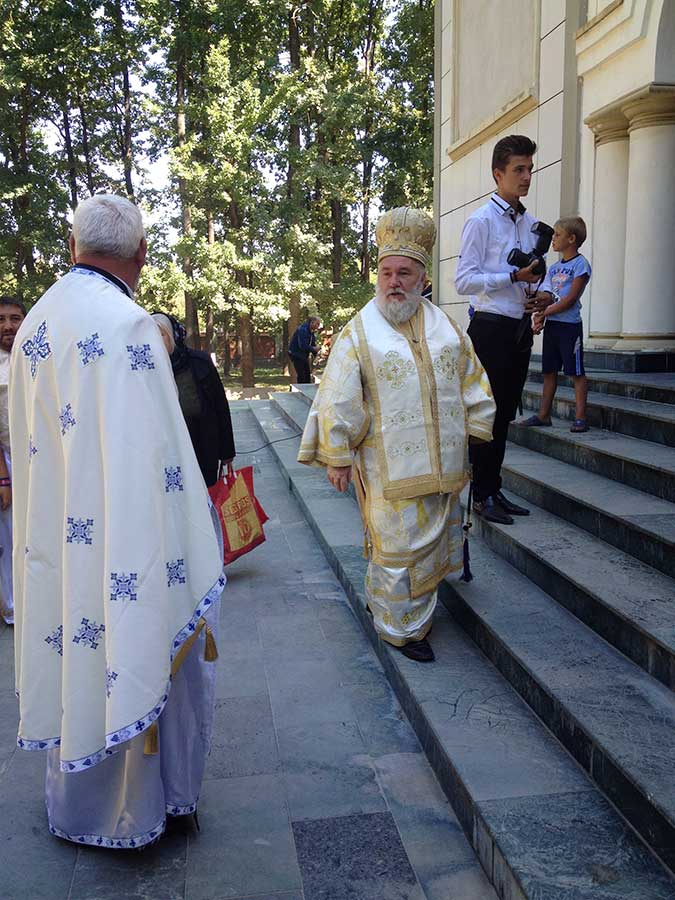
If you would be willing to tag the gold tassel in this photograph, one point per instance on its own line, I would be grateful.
(151, 745)
(210, 649)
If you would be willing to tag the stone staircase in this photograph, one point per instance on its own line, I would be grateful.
(549, 715)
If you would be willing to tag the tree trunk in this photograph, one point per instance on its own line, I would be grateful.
(294, 126)
(372, 37)
(208, 345)
(85, 147)
(191, 320)
(126, 144)
(336, 254)
(247, 362)
(72, 166)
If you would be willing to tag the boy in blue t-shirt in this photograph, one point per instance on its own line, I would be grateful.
(561, 321)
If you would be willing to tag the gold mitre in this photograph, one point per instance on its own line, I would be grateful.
(405, 231)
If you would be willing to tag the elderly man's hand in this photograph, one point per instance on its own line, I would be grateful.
(339, 477)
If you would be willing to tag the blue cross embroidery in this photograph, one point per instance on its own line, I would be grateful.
(140, 357)
(32, 449)
(55, 640)
(67, 418)
(123, 586)
(174, 479)
(37, 348)
(89, 634)
(90, 349)
(79, 531)
(175, 572)
(110, 677)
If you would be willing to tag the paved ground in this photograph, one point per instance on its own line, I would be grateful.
(316, 786)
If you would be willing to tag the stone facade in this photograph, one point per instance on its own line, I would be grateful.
(593, 83)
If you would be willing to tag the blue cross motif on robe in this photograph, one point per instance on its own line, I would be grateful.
(89, 634)
(90, 349)
(79, 531)
(67, 418)
(175, 572)
(55, 640)
(110, 677)
(123, 586)
(174, 479)
(140, 357)
(32, 449)
(37, 348)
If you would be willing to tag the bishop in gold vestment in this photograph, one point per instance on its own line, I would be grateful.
(400, 396)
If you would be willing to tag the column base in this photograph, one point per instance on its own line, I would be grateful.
(645, 342)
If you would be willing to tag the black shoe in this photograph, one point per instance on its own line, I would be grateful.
(419, 651)
(491, 511)
(509, 507)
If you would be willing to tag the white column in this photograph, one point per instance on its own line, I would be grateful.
(649, 272)
(609, 230)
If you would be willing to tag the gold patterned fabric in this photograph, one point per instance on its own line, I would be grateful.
(405, 231)
(400, 402)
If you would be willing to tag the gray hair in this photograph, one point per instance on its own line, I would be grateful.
(108, 225)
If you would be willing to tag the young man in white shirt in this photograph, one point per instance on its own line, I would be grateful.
(500, 328)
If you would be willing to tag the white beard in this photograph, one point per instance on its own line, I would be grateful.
(398, 311)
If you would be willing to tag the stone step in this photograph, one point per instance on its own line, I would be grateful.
(627, 602)
(638, 361)
(617, 721)
(658, 387)
(538, 823)
(639, 464)
(632, 521)
(637, 418)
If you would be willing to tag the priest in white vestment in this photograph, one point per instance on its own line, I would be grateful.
(117, 560)
(12, 314)
(401, 395)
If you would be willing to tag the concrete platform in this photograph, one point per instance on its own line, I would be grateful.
(515, 792)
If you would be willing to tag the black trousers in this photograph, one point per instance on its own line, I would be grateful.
(503, 346)
(301, 366)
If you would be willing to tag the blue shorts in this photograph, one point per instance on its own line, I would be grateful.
(563, 348)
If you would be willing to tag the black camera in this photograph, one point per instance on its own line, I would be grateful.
(522, 260)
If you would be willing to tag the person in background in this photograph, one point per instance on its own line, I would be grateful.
(119, 571)
(561, 322)
(202, 399)
(303, 343)
(12, 314)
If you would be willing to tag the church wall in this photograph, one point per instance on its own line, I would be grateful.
(593, 83)
(518, 88)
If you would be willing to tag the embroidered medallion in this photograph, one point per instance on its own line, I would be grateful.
(90, 349)
(79, 531)
(173, 479)
(123, 586)
(89, 634)
(395, 369)
(37, 348)
(67, 418)
(110, 677)
(446, 363)
(140, 357)
(175, 572)
(55, 640)
(407, 448)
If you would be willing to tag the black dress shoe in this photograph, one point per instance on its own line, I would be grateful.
(509, 507)
(491, 511)
(419, 651)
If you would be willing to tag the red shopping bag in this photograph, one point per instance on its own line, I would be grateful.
(241, 516)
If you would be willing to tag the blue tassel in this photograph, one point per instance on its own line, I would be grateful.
(467, 575)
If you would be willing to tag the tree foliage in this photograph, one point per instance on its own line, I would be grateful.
(286, 125)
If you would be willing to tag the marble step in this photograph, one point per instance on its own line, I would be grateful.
(628, 603)
(658, 387)
(630, 361)
(637, 418)
(615, 720)
(639, 464)
(637, 523)
(537, 821)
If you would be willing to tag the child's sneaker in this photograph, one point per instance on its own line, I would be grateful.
(579, 426)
